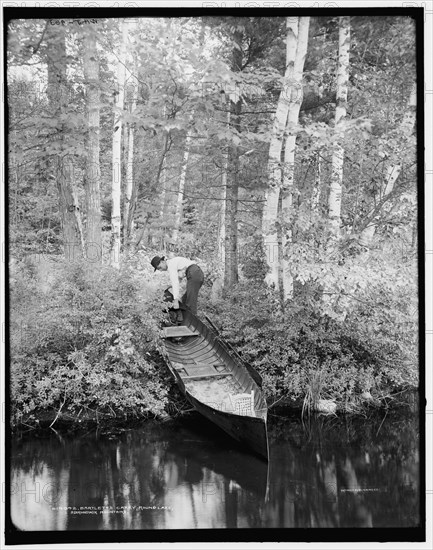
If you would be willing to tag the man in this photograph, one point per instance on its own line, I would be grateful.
(179, 267)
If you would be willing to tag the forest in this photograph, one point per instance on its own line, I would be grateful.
(279, 153)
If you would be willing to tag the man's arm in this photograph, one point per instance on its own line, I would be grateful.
(172, 271)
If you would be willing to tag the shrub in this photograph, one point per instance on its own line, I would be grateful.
(299, 350)
(89, 344)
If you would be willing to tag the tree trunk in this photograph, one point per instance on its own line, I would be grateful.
(129, 187)
(181, 189)
(57, 92)
(231, 222)
(231, 212)
(286, 119)
(335, 191)
(162, 169)
(218, 283)
(222, 224)
(127, 206)
(334, 199)
(73, 240)
(163, 180)
(160, 180)
(93, 171)
(295, 101)
(140, 145)
(117, 155)
(272, 196)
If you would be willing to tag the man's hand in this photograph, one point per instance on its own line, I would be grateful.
(175, 304)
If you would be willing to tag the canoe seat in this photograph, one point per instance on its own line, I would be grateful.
(243, 403)
(202, 370)
(176, 332)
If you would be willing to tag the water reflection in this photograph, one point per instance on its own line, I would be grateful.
(176, 475)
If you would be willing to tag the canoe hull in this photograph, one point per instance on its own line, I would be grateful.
(205, 349)
(251, 432)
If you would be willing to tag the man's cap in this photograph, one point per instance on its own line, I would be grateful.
(156, 261)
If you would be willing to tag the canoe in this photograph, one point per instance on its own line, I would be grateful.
(217, 383)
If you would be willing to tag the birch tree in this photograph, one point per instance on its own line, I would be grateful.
(162, 183)
(334, 198)
(222, 226)
(129, 187)
(218, 283)
(272, 196)
(335, 190)
(232, 187)
(181, 189)
(296, 96)
(289, 101)
(129, 177)
(117, 150)
(231, 210)
(93, 171)
(162, 170)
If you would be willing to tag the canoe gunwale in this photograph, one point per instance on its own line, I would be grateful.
(246, 429)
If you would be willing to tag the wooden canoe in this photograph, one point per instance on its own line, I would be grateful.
(216, 381)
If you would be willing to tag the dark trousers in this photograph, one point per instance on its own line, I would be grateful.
(194, 280)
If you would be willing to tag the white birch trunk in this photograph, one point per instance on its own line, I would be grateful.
(181, 189)
(222, 228)
(163, 187)
(163, 172)
(164, 180)
(334, 199)
(129, 184)
(295, 95)
(272, 196)
(231, 273)
(217, 285)
(394, 170)
(117, 149)
(335, 191)
(130, 161)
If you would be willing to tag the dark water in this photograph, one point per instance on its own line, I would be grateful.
(185, 475)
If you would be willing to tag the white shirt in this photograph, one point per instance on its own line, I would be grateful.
(176, 269)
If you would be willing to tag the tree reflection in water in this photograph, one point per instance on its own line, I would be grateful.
(187, 475)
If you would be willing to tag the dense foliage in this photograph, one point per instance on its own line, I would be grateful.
(303, 354)
(87, 347)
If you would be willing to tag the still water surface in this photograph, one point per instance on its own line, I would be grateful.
(187, 475)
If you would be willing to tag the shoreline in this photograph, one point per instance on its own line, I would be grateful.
(68, 421)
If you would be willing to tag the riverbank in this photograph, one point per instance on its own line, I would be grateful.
(88, 350)
(86, 419)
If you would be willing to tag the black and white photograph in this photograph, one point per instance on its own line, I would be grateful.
(214, 274)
